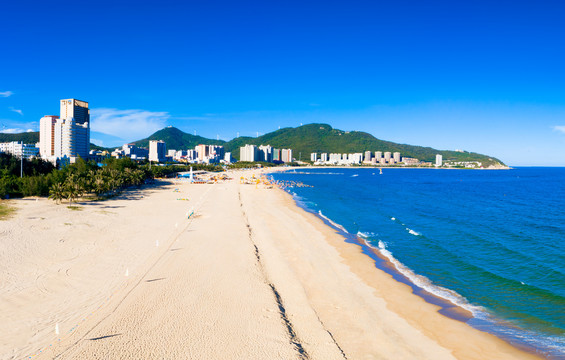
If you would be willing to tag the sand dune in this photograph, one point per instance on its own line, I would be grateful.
(250, 276)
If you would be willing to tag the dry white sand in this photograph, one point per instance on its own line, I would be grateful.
(250, 276)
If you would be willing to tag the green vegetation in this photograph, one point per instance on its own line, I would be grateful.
(6, 211)
(30, 137)
(69, 183)
(319, 138)
(177, 139)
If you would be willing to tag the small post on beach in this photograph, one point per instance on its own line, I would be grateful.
(57, 329)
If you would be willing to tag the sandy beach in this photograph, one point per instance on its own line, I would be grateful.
(249, 276)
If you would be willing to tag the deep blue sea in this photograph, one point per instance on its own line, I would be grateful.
(490, 241)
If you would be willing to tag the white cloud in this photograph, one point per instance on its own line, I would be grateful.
(127, 124)
(560, 128)
(17, 111)
(14, 131)
(97, 142)
(6, 93)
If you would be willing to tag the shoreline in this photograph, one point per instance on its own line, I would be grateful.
(272, 279)
(446, 307)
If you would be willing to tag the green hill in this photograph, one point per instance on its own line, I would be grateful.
(178, 140)
(320, 138)
(26, 137)
(302, 140)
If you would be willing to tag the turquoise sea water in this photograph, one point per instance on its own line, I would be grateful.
(492, 242)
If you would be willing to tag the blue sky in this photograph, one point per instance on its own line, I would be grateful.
(481, 76)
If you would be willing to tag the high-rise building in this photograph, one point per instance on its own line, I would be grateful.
(439, 160)
(313, 157)
(75, 109)
(265, 153)
(368, 156)
(276, 154)
(248, 153)
(69, 134)
(286, 155)
(324, 157)
(47, 135)
(203, 151)
(157, 150)
(396, 157)
(378, 155)
(388, 156)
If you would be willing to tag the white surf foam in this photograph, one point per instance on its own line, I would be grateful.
(415, 233)
(393, 218)
(366, 235)
(332, 222)
(425, 283)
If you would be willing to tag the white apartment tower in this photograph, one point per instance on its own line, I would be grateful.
(47, 135)
(248, 153)
(286, 155)
(396, 157)
(157, 150)
(313, 157)
(439, 160)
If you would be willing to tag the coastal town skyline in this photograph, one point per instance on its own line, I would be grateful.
(401, 72)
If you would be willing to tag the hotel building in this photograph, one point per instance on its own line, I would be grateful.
(67, 135)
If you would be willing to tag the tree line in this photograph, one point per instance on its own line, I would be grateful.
(81, 178)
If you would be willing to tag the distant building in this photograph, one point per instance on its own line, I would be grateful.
(324, 157)
(248, 153)
(286, 155)
(277, 154)
(396, 157)
(202, 151)
(265, 153)
(172, 153)
(157, 150)
(410, 161)
(378, 155)
(313, 157)
(356, 158)
(439, 160)
(368, 156)
(388, 156)
(135, 153)
(18, 148)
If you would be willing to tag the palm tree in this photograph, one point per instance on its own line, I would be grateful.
(99, 184)
(57, 192)
(72, 188)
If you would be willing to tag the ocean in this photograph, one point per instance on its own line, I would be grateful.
(489, 241)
